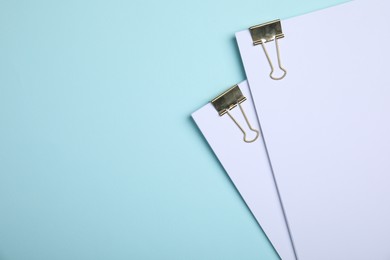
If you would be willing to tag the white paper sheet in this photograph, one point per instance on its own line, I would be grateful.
(248, 167)
(327, 128)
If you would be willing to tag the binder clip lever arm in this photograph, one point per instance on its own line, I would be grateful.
(229, 100)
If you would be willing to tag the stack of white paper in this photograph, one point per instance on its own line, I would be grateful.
(248, 167)
(326, 129)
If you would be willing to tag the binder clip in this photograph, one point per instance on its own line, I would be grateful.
(229, 100)
(263, 33)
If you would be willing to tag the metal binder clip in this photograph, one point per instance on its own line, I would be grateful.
(267, 32)
(229, 100)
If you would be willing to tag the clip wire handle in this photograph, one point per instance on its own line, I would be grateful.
(270, 62)
(247, 122)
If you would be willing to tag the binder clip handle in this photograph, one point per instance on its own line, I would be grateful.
(247, 122)
(279, 61)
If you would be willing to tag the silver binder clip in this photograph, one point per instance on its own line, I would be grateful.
(263, 33)
(229, 100)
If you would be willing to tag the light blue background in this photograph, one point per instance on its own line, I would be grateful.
(99, 158)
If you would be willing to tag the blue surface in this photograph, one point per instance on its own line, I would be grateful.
(99, 158)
